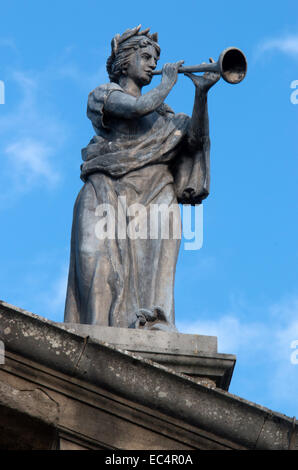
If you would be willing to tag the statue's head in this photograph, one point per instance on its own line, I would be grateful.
(134, 54)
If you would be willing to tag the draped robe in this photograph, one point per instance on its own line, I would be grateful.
(119, 281)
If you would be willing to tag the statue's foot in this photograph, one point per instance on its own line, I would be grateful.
(153, 319)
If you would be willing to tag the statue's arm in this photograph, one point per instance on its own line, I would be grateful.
(123, 105)
(198, 131)
(192, 168)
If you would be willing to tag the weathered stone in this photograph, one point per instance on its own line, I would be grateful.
(193, 355)
(33, 402)
(146, 340)
(103, 398)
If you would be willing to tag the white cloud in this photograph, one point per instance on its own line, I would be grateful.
(232, 333)
(31, 137)
(286, 44)
(266, 341)
(30, 162)
(32, 134)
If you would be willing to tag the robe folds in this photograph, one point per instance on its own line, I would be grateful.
(125, 281)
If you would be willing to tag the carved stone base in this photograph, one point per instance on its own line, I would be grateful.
(65, 390)
(193, 355)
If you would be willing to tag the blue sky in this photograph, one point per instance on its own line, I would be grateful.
(242, 286)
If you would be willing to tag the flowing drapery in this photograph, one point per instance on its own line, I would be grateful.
(115, 281)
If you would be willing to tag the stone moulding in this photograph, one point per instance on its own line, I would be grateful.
(145, 382)
(194, 355)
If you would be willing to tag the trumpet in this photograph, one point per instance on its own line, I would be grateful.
(231, 65)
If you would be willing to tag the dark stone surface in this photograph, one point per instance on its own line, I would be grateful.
(141, 384)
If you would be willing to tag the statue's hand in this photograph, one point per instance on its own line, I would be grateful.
(206, 81)
(170, 72)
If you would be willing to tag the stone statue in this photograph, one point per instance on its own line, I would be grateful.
(142, 154)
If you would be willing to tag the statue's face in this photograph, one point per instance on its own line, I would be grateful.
(141, 65)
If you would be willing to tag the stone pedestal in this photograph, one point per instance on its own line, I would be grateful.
(193, 355)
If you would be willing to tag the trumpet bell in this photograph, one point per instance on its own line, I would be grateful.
(232, 64)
